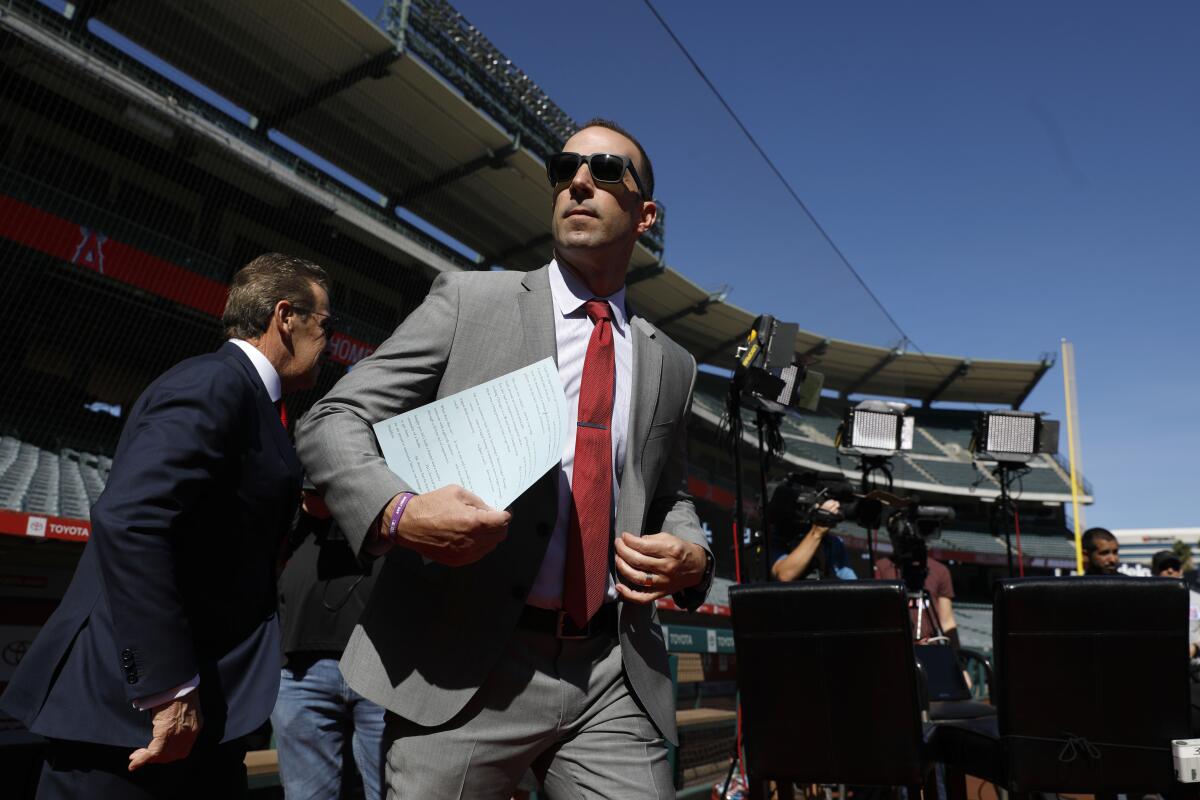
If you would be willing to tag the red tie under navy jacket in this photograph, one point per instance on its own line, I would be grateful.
(585, 579)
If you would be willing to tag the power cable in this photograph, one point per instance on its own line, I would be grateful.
(905, 338)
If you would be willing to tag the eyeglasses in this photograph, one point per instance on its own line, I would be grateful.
(328, 324)
(605, 168)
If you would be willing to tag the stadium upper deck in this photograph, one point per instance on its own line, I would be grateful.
(444, 125)
(103, 158)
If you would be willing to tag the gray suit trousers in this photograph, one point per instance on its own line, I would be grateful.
(562, 708)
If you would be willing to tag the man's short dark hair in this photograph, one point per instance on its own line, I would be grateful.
(646, 171)
(1165, 559)
(257, 287)
(1091, 535)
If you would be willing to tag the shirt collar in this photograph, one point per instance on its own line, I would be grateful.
(266, 370)
(570, 294)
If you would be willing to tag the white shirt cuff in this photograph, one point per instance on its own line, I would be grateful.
(154, 700)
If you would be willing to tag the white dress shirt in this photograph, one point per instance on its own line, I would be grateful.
(266, 370)
(270, 378)
(572, 331)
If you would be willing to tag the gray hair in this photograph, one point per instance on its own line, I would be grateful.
(257, 287)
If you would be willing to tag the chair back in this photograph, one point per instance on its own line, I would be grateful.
(1091, 682)
(944, 679)
(828, 682)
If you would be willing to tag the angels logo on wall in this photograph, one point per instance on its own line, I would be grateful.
(90, 250)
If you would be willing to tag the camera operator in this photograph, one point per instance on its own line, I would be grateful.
(801, 544)
(912, 564)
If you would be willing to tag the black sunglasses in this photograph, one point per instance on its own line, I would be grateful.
(605, 168)
(328, 324)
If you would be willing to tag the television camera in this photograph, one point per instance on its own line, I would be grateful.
(795, 505)
(910, 528)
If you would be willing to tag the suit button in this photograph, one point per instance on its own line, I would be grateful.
(519, 592)
(543, 529)
(131, 678)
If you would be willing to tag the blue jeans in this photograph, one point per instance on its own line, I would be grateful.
(315, 714)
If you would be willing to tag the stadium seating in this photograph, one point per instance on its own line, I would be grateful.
(42, 495)
(969, 542)
(1048, 547)
(73, 497)
(924, 443)
(94, 470)
(1041, 478)
(39, 481)
(9, 447)
(955, 473)
(15, 482)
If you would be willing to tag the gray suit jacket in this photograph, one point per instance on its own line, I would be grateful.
(431, 633)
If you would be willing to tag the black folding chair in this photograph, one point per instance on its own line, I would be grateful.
(1091, 687)
(947, 694)
(828, 685)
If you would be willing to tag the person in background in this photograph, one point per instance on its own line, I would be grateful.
(164, 653)
(936, 582)
(317, 717)
(819, 554)
(1101, 552)
(1167, 564)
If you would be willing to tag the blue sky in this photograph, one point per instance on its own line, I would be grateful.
(1000, 176)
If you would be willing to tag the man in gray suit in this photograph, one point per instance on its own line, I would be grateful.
(504, 640)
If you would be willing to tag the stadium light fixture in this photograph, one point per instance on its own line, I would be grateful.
(876, 428)
(1013, 436)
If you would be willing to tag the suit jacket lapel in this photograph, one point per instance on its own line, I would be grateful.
(643, 400)
(537, 317)
(267, 413)
(536, 305)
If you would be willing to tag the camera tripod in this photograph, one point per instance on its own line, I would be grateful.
(913, 572)
(923, 603)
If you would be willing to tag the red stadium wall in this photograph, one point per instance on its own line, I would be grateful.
(90, 249)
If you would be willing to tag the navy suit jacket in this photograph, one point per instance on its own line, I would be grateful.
(178, 578)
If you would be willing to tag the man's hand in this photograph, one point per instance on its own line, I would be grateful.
(658, 565)
(833, 507)
(448, 525)
(175, 728)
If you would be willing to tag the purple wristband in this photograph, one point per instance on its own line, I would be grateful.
(397, 513)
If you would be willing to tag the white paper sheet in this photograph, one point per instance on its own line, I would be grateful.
(494, 439)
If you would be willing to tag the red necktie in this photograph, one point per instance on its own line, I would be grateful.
(283, 417)
(586, 576)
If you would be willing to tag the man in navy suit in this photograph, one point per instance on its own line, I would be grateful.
(165, 649)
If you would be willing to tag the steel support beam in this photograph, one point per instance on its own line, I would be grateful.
(817, 349)
(486, 261)
(1046, 364)
(872, 372)
(959, 371)
(724, 347)
(80, 12)
(374, 67)
(699, 307)
(644, 273)
(492, 159)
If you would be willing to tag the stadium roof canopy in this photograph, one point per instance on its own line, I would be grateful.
(443, 125)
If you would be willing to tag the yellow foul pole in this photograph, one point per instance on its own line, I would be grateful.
(1072, 409)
